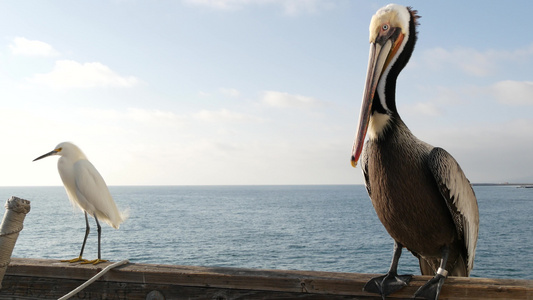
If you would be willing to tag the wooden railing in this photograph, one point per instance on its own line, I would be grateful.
(51, 279)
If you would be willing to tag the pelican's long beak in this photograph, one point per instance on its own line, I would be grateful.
(380, 57)
(53, 152)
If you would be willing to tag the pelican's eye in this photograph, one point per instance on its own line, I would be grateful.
(385, 27)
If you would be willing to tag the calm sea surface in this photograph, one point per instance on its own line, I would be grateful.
(324, 228)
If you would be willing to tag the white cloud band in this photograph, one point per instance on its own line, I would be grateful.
(72, 74)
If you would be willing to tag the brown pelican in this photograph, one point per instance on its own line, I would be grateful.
(419, 192)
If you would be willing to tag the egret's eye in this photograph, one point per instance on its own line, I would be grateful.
(59, 149)
(385, 27)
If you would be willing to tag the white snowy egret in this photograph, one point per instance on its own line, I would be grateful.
(86, 189)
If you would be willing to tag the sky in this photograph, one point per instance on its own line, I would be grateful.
(239, 92)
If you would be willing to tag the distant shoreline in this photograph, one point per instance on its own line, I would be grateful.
(504, 184)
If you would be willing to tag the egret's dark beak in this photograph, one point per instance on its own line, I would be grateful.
(381, 54)
(53, 152)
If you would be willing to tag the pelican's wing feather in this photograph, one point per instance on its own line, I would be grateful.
(459, 196)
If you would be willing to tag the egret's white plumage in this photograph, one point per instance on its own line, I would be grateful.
(86, 188)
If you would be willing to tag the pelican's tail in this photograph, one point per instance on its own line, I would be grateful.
(459, 269)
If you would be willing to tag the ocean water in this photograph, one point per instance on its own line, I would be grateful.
(323, 228)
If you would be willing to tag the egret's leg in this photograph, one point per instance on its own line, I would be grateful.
(431, 289)
(390, 282)
(99, 259)
(87, 230)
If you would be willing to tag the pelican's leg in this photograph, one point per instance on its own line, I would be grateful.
(99, 259)
(87, 230)
(390, 282)
(431, 289)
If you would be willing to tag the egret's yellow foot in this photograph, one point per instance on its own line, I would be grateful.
(77, 259)
(95, 261)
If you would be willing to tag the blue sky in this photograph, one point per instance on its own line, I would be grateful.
(200, 92)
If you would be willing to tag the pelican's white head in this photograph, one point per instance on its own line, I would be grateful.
(392, 39)
(393, 15)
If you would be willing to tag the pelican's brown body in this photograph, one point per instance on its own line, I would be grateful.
(419, 192)
(408, 201)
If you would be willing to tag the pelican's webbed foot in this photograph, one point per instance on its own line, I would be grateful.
(387, 284)
(431, 289)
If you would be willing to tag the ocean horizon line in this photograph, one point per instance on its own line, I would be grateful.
(260, 185)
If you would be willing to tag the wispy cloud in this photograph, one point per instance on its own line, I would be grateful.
(289, 7)
(230, 92)
(154, 116)
(426, 109)
(488, 152)
(131, 118)
(297, 7)
(286, 100)
(219, 4)
(224, 115)
(71, 74)
(23, 46)
(203, 94)
(514, 92)
(472, 61)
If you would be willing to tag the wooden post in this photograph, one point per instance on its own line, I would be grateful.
(16, 210)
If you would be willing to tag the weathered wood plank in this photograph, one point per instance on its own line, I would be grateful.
(51, 279)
